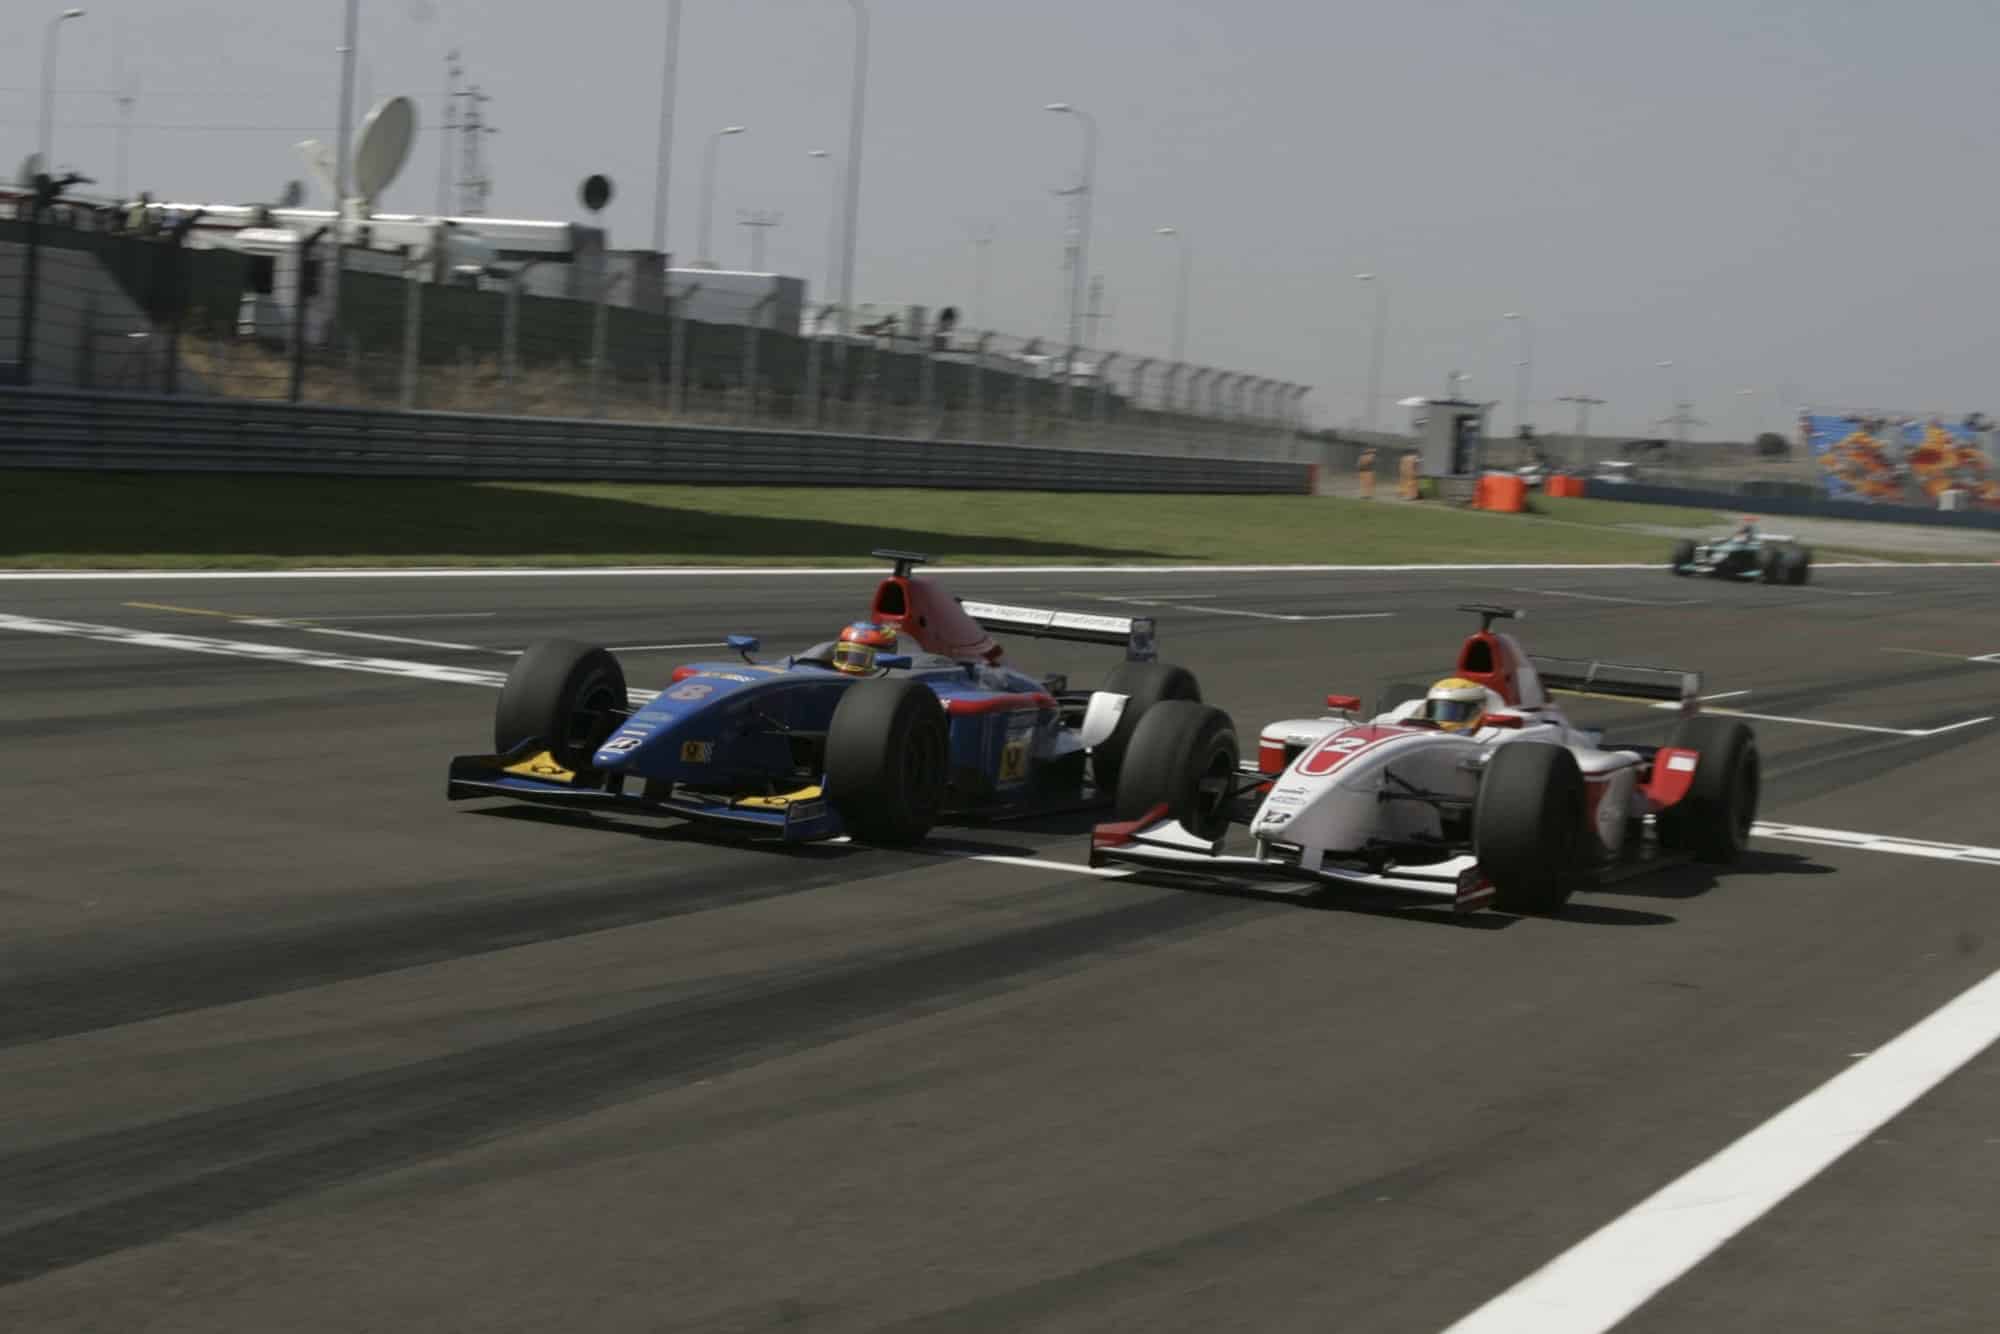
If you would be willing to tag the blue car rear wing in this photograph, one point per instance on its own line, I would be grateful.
(1132, 633)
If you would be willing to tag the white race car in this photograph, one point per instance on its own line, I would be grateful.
(1516, 811)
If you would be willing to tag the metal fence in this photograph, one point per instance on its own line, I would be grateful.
(74, 430)
(130, 311)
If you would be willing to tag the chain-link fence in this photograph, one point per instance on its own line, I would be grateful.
(141, 307)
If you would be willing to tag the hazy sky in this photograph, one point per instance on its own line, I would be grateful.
(1794, 198)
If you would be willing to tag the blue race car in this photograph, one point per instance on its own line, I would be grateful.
(911, 715)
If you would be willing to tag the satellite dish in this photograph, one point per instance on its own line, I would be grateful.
(385, 145)
(293, 195)
(31, 167)
(596, 192)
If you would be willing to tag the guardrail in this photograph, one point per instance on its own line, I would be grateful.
(138, 433)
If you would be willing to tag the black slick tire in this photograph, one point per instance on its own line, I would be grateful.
(886, 755)
(1713, 820)
(569, 695)
(1527, 826)
(1144, 684)
(1683, 558)
(1772, 565)
(1183, 756)
(1798, 566)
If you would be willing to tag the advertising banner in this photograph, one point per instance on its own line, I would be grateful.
(1851, 457)
(1944, 457)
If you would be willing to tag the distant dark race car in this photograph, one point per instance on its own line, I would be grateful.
(911, 716)
(1745, 554)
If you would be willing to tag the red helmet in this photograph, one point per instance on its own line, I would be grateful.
(854, 653)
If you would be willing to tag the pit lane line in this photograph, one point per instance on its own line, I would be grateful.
(1595, 1284)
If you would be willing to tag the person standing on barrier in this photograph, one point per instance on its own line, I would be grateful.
(1409, 476)
(1364, 473)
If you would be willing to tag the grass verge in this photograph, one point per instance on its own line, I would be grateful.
(215, 521)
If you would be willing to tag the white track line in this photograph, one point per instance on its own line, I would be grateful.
(651, 648)
(1239, 611)
(873, 572)
(1611, 1273)
(1039, 864)
(236, 648)
(1904, 847)
(1990, 659)
(1842, 727)
(1605, 597)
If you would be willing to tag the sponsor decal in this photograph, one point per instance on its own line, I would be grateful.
(728, 676)
(1276, 818)
(1014, 761)
(696, 752)
(805, 810)
(691, 690)
(1681, 763)
(624, 743)
(541, 766)
(1338, 748)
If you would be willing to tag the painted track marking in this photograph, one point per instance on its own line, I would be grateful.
(1606, 597)
(1239, 611)
(308, 627)
(1844, 727)
(1602, 1279)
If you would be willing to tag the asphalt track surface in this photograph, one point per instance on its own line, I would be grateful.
(288, 1042)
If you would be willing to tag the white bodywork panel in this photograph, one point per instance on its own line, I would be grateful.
(1100, 717)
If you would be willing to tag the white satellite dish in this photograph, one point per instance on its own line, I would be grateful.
(386, 137)
(319, 161)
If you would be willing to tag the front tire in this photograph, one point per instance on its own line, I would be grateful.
(1713, 820)
(886, 754)
(1527, 826)
(568, 695)
(1683, 558)
(1183, 756)
(1144, 684)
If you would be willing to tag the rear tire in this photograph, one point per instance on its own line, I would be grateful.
(1144, 684)
(1527, 826)
(1773, 565)
(1183, 756)
(1713, 820)
(568, 695)
(1798, 566)
(886, 754)
(1683, 558)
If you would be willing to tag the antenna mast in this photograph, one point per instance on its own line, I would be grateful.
(759, 221)
(473, 183)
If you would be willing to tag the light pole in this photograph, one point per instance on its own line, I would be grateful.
(832, 228)
(708, 193)
(666, 154)
(1181, 304)
(1523, 368)
(1375, 355)
(49, 88)
(342, 160)
(857, 100)
(1080, 266)
(982, 241)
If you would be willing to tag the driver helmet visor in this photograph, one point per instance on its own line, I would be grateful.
(851, 657)
(1452, 710)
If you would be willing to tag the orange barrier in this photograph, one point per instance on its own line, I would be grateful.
(1501, 491)
(1562, 484)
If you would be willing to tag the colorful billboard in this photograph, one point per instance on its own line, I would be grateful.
(1852, 459)
(1948, 457)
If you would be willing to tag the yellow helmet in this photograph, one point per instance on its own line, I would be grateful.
(1455, 705)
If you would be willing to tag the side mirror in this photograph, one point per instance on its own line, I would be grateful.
(744, 644)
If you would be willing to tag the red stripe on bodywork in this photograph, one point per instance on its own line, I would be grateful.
(960, 705)
(1667, 784)
(1117, 835)
(1270, 757)
(1337, 748)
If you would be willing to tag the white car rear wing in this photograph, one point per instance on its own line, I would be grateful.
(1132, 633)
(1588, 676)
